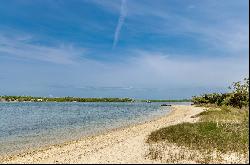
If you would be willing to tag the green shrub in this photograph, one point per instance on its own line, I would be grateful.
(239, 97)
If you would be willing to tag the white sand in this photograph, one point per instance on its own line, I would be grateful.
(124, 145)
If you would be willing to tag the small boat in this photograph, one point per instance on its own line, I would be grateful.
(166, 105)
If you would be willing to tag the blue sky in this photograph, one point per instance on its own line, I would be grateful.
(161, 49)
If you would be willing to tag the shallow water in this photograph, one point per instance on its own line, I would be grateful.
(30, 125)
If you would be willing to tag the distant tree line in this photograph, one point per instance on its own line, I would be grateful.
(61, 99)
(238, 97)
(77, 99)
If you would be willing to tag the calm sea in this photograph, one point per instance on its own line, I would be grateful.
(31, 125)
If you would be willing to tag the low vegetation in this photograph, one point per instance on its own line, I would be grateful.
(77, 99)
(222, 130)
(209, 134)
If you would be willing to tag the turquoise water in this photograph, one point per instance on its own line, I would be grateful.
(30, 125)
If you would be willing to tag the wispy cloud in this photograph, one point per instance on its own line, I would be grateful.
(123, 13)
(145, 73)
(21, 47)
(203, 21)
(89, 87)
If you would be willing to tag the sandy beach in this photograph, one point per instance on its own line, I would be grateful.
(123, 145)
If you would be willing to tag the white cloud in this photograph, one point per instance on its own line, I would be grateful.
(142, 74)
(22, 47)
(215, 24)
(155, 69)
(147, 69)
(123, 13)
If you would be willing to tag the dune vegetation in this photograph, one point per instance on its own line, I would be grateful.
(221, 134)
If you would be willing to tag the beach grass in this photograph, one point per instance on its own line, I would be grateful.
(221, 129)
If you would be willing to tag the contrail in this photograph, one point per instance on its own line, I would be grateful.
(123, 14)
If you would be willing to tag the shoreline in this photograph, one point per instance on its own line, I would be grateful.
(73, 140)
(125, 144)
